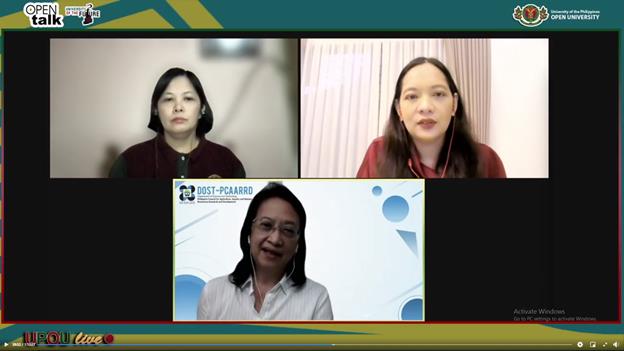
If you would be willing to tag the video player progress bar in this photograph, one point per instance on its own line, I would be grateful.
(303, 345)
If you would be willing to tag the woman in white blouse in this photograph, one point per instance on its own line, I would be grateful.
(269, 282)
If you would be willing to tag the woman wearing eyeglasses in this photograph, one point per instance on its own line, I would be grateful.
(269, 282)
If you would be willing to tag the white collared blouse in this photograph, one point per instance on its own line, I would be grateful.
(222, 300)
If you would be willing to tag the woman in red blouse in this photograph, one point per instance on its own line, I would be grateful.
(427, 135)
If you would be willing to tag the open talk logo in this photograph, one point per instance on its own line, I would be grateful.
(395, 209)
(44, 14)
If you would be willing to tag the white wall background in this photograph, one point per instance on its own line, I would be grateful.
(100, 91)
(519, 109)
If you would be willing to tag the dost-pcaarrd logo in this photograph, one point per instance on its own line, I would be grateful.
(530, 15)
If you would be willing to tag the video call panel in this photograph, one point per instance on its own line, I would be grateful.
(491, 248)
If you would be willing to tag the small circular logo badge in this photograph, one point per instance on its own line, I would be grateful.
(530, 15)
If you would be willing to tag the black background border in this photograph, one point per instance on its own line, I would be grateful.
(491, 245)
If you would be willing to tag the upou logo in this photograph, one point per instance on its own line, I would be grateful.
(64, 338)
(530, 15)
(50, 338)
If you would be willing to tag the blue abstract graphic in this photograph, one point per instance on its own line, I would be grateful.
(377, 190)
(187, 291)
(395, 209)
(410, 240)
(412, 310)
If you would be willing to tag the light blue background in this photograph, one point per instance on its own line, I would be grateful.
(366, 249)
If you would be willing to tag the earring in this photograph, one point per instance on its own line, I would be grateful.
(248, 240)
(296, 248)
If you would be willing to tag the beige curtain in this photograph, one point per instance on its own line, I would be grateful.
(339, 104)
(469, 63)
(347, 86)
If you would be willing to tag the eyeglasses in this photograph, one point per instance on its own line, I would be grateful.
(266, 226)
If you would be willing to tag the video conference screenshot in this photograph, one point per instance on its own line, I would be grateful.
(405, 177)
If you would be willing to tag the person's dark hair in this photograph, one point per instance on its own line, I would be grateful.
(243, 269)
(463, 159)
(204, 125)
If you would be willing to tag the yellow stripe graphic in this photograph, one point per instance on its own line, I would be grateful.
(145, 19)
(194, 14)
(15, 20)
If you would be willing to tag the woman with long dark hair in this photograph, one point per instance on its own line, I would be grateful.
(269, 282)
(427, 134)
